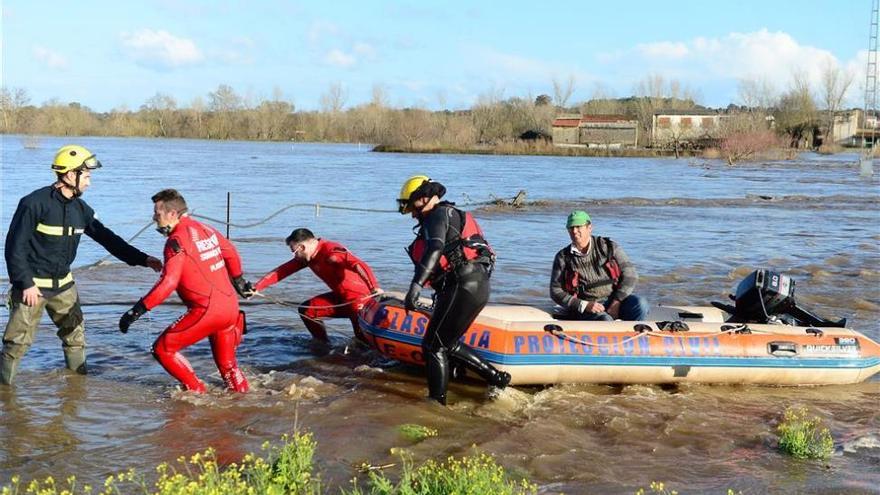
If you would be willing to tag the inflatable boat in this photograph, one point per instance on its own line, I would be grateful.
(676, 344)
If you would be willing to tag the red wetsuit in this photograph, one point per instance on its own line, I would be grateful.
(198, 264)
(349, 278)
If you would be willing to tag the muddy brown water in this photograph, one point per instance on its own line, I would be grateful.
(693, 227)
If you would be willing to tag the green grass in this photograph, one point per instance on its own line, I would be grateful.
(288, 469)
(477, 474)
(284, 469)
(416, 433)
(803, 437)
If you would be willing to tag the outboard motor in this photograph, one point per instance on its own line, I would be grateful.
(765, 296)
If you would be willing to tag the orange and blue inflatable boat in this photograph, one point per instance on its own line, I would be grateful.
(677, 344)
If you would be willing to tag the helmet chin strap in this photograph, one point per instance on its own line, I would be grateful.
(77, 192)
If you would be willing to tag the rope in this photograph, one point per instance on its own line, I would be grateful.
(106, 257)
(299, 305)
(294, 304)
(561, 335)
(316, 206)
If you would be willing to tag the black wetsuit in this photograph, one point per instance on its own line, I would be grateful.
(462, 292)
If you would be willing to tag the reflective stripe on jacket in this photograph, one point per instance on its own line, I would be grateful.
(44, 236)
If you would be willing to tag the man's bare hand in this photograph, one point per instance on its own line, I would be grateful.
(31, 296)
(154, 263)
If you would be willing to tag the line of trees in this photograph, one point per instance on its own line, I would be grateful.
(493, 119)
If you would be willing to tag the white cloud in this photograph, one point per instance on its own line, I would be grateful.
(51, 59)
(359, 52)
(339, 58)
(665, 49)
(364, 50)
(773, 56)
(160, 49)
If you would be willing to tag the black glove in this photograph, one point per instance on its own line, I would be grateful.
(131, 316)
(412, 297)
(244, 288)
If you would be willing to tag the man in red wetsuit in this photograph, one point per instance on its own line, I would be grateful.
(198, 263)
(351, 281)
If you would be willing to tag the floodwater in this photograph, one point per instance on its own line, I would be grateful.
(694, 228)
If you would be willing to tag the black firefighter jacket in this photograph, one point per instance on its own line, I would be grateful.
(44, 235)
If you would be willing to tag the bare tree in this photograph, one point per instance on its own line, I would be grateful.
(270, 116)
(379, 97)
(654, 93)
(11, 104)
(333, 100)
(602, 102)
(757, 93)
(196, 115)
(225, 103)
(835, 84)
(486, 115)
(161, 110)
(796, 112)
(562, 91)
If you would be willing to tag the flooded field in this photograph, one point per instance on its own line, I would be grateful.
(693, 227)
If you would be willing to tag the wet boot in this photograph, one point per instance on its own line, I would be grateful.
(469, 358)
(235, 380)
(438, 375)
(8, 367)
(75, 359)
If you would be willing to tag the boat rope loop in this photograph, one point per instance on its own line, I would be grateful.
(298, 305)
(643, 329)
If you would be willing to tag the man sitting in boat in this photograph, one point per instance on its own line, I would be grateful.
(593, 278)
(351, 281)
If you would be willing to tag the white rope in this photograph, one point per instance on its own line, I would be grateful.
(651, 333)
(298, 305)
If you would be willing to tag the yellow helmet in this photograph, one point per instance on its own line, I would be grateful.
(73, 157)
(406, 191)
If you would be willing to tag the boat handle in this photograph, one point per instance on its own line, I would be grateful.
(641, 328)
(739, 329)
(815, 331)
(552, 328)
(782, 349)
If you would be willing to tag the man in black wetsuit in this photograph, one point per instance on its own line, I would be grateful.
(452, 256)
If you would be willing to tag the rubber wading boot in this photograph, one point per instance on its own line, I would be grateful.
(75, 358)
(469, 358)
(438, 375)
(8, 367)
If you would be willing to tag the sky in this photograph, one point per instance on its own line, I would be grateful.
(118, 54)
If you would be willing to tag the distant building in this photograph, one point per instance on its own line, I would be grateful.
(845, 128)
(670, 127)
(595, 131)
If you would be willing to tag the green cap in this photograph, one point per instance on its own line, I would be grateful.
(577, 218)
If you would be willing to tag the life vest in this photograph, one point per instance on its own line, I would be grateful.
(611, 266)
(470, 247)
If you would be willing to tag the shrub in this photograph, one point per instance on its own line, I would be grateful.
(415, 432)
(803, 437)
(285, 469)
(748, 145)
(470, 475)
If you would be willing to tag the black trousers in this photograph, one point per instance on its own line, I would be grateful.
(460, 298)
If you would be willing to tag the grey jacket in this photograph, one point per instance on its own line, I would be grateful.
(594, 281)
